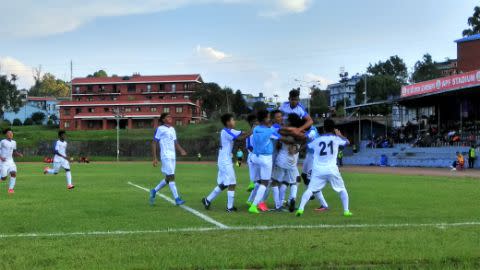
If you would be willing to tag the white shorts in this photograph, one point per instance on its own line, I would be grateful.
(168, 166)
(226, 175)
(61, 163)
(7, 167)
(308, 164)
(321, 178)
(288, 176)
(251, 169)
(262, 166)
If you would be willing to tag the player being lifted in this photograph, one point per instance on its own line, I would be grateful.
(226, 174)
(60, 160)
(8, 149)
(165, 139)
(325, 169)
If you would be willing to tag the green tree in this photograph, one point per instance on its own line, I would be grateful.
(28, 122)
(98, 74)
(425, 70)
(38, 118)
(239, 106)
(49, 86)
(211, 96)
(394, 66)
(10, 98)
(259, 105)
(17, 122)
(319, 101)
(474, 23)
(379, 88)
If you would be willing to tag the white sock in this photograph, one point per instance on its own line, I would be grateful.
(253, 193)
(173, 188)
(305, 198)
(13, 180)
(267, 193)
(259, 195)
(160, 185)
(276, 197)
(230, 198)
(214, 194)
(344, 198)
(321, 199)
(293, 191)
(68, 174)
(283, 190)
(50, 171)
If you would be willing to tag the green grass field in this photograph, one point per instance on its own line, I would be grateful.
(400, 222)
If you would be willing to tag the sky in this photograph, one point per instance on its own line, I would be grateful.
(267, 46)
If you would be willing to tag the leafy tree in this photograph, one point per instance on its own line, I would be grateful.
(319, 101)
(17, 122)
(394, 66)
(98, 74)
(379, 88)
(239, 104)
(215, 99)
(28, 122)
(38, 118)
(425, 70)
(10, 98)
(259, 105)
(474, 23)
(49, 86)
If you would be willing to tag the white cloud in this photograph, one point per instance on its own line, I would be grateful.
(318, 80)
(9, 65)
(210, 53)
(31, 18)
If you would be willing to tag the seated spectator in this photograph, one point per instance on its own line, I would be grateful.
(459, 163)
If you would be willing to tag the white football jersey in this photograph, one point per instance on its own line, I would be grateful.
(286, 109)
(7, 147)
(166, 137)
(227, 140)
(325, 148)
(61, 148)
(284, 159)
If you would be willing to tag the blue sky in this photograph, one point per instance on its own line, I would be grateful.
(255, 46)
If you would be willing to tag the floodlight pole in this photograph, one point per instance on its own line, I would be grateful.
(118, 113)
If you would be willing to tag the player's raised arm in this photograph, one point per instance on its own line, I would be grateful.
(308, 123)
(339, 134)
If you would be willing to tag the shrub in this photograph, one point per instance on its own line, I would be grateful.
(17, 122)
(28, 122)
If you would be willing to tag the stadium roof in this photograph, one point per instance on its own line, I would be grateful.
(470, 38)
(139, 79)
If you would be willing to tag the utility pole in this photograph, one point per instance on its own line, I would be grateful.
(71, 79)
(365, 88)
(118, 114)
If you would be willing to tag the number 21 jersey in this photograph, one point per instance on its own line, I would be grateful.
(325, 149)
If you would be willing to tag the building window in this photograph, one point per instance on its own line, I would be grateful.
(149, 88)
(106, 109)
(178, 122)
(153, 109)
(185, 87)
(128, 109)
(131, 88)
(89, 88)
(77, 89)
(78, 110)
(114, 98)
(166, 110)
(174, 97)
(140, 124)
(90, 124)
(179, 109)
(66, 124)
(78, 99)
(114, 88)
(161, 87)
(138, 109)
(90, 98)
(186, 97)
(101, 88)
(67, 111)
(91, 110)
(102, 98)
(149, 97)
(174, 88)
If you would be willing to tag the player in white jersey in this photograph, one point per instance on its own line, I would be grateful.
(325, 169)
(252, 121)
(294, 106)
(60, 160)
(8, 149)
(226, 174)
(165, 138)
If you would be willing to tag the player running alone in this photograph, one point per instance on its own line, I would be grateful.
(165, 139)
(325, 169)
(8, 149)
(61, 160)
(226, 174)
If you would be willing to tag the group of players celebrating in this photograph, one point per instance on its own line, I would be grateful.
(273, 145)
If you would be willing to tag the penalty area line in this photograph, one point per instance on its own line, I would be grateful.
(239, 228)
(186, 208)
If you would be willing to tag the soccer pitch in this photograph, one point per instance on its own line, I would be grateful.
(106, 223)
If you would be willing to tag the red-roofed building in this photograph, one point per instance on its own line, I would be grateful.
(141, 99)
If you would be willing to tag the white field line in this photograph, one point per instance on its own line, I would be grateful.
(186, 208)
(242, 228)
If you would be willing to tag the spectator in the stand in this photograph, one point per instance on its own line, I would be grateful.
(472, 155)
(340, 156)
(458, 163)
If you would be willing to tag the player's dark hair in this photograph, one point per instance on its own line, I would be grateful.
(274, 112)
(61, 132)
(163, 116)
(251, 118)
(294, 94)
(6, 130)
(262, 115)
(329, 126)
(295, 121)
(226, 118)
